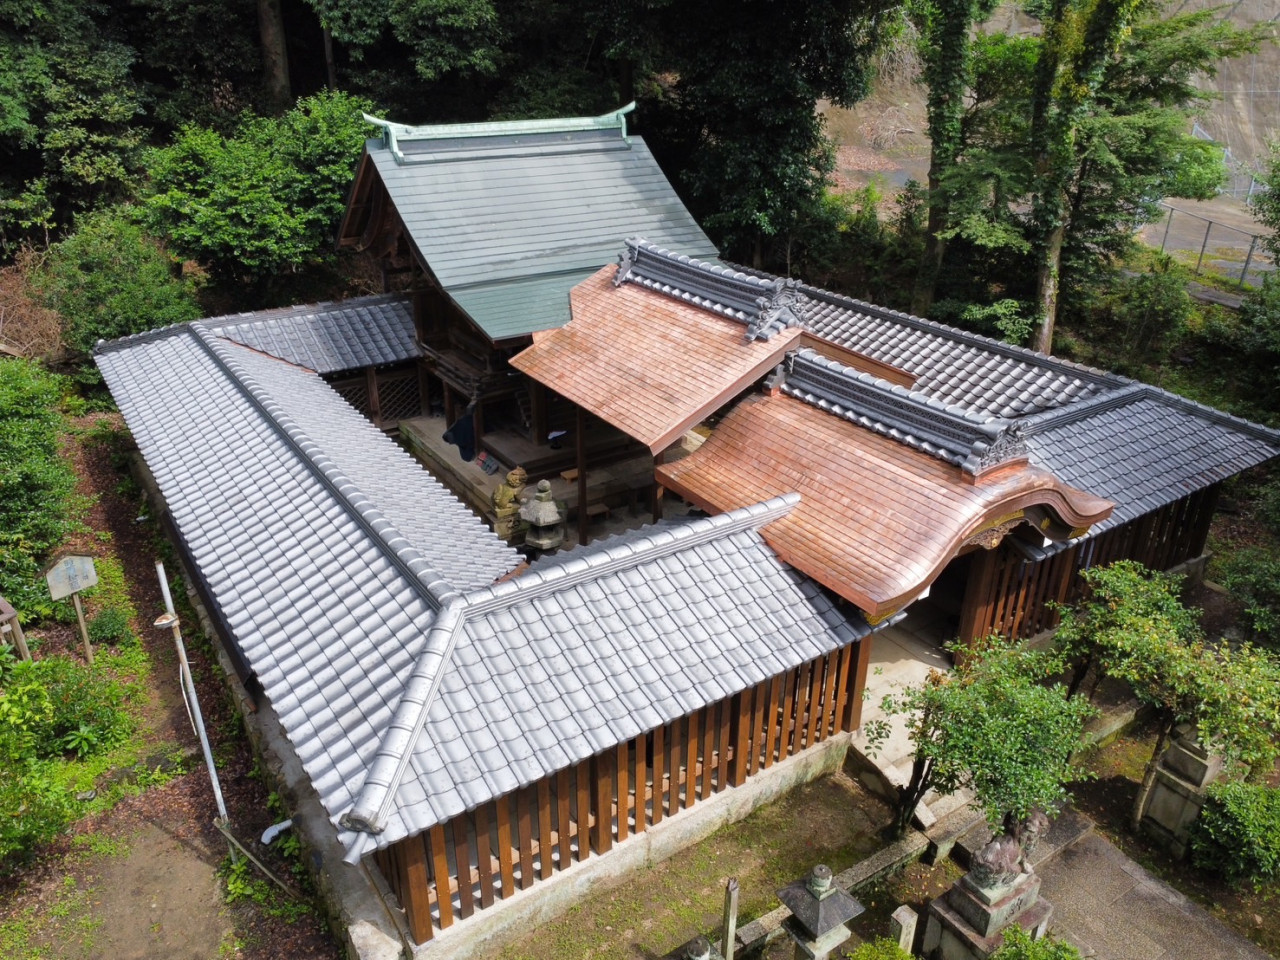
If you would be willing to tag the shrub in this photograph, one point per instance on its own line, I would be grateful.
(84, 700)
(112, 626)
(36, 484)
(1018, 945)
(1252, 576)
(1237, 833)
(109, 279)
(36, 806)
(882, 949)
(266, 200)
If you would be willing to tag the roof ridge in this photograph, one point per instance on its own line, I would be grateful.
(953, 433)
(663, 542)
(418, 569)
(302, 309)
(146, 336)
(368, 814)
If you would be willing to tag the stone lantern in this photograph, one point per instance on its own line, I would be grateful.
(545, 519)
(699, 948)
(820, 913)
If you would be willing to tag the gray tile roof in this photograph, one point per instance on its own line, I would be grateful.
(987, 377)
(494, 206)
(329, 337)
(530, 675)
(328, 587)
(1143, 448)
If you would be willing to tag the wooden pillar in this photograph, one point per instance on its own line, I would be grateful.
(742, 738)
(563, 797)
(506, 864)
(580, 439)
(477, 420)
(659, 772)
(484, 859)
(658, 459)
(857, 684)
(624, 791)
(979, 595)
(449, 409)
(544, 828)
(440, 872)
(602, 833)
(538, 411)
(414, 885)
(583, 776)
(375, 405)
(1200, 533)
(462, 858)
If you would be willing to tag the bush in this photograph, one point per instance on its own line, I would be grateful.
(1252, 576)
(1237, 833)
(882, 949)
(110, 279)
(37, 808)
(1018, 945)
(36, 484)
(266, 200)
(112, 626)
(85, 701)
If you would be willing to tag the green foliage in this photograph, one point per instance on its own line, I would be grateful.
(1252, 575)
(881, 949)
(993, 726)
(112, 626)
(43, 807)
(1018, 945)
(1266, 203)
(1132, 626)
(265, 200)
(81, 698)
(1256, 340)
(243, 883)
(1237, 834)
(36, 484)
(109, 279)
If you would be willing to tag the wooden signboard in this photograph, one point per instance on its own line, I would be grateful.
(66, 578)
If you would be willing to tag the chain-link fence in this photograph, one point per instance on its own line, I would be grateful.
(1205, 244)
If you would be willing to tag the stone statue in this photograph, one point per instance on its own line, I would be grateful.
(997, 864)
(1027, 832)
(507, 501)
(545, 519)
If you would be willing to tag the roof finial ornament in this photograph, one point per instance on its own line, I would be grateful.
(783, 308)
(626, 261)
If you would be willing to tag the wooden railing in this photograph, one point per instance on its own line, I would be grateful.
(510, 843)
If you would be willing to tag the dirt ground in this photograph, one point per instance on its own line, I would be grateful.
(141, 881)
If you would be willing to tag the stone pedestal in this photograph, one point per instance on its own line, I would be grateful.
(808, 948)
(1186, 769)
(949, 936)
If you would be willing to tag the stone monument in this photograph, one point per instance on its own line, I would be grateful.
(545, 519)
(1182, 779)
(820, 914)
(1000, 889)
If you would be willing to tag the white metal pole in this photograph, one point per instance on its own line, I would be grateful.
(193, 701)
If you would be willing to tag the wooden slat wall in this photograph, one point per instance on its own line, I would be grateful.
(1014, 597)
(506, 845)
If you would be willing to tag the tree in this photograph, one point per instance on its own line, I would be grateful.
(991, 726)
(1068, 142)
(1133, 627)
(1266, 203)
(109, 279)
(945, 29)
(265, 200)
(731, 101)
(1018, 945)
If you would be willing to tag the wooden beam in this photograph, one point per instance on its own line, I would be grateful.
(583, 774)
(725, 732)
(658, 459)
(659, 769)
(802, 705)
(708, 748)
(563, 798)
(624, 790)
(788, 708)
(641, 780)
(858, 684)
(524, 825)
(673, 768)
(742, 738)
(842, 689)
(691, 758)
(975, 610)
(602, 833)
(771, 720)
(815, 703)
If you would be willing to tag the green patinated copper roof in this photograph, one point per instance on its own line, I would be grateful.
(510, 215)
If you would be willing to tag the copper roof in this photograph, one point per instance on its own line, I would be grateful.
(878, 519)
(651, 366)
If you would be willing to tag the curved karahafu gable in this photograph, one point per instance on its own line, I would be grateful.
(878, 519)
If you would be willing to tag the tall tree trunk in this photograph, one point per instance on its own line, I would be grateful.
(1047, 268)
(330, 65)
(935, 247)
(1149, 775)
(911, 794)
(275, 55)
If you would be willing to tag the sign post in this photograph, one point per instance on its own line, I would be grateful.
(66, 578)
(9, 625)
